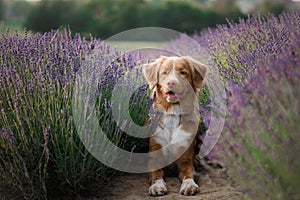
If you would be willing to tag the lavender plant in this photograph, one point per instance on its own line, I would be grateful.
(236, 47)
(37, 72)
(41, 154)
(259, 60)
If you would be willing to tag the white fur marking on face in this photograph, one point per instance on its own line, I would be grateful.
(189, 187)
(173, 77)
(158, 188)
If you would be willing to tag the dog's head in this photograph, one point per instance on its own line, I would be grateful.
(173, 77)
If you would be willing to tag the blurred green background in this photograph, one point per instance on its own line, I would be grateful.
(104, 18)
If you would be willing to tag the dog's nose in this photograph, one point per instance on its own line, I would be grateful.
(171, 83)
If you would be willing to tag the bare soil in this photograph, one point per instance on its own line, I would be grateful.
(215, 184)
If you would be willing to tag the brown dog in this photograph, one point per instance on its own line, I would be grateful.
(174, 81)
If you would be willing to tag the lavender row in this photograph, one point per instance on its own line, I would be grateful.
(260, 63)
(41, 154)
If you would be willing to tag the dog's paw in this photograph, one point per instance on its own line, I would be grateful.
(189, 187)
(159, 188)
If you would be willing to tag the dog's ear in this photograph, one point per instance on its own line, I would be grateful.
(199, 71)
(151, 71)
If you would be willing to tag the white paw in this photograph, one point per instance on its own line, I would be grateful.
(158, 188)
(189, 187)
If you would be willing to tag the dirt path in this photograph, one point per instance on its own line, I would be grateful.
(214, 185)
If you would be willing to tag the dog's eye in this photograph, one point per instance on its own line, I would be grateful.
(164, 73)
(183, 72)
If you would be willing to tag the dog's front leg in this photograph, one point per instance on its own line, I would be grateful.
(158, 186)
(186, 173)
(185, 144)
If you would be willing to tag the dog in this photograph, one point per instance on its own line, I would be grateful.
(174, 82)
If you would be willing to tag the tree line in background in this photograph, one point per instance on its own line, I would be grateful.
(105, 18)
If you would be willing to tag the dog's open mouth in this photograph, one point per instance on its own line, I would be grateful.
(171, 95)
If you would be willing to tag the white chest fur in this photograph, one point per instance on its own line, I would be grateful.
(170, 125)
(170, 134)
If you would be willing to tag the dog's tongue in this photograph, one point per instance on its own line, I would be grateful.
(171, 95)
